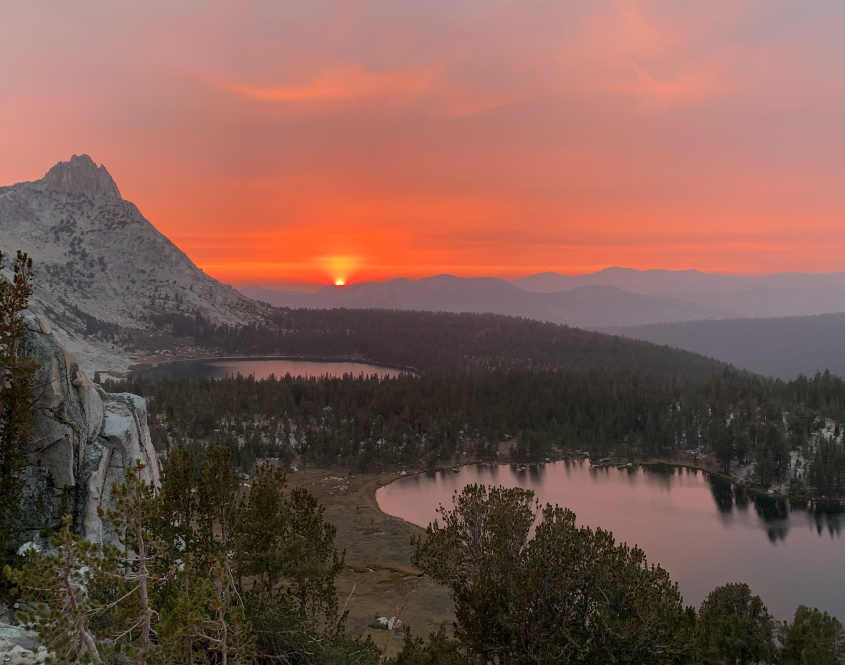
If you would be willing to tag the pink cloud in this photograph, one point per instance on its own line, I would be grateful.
(689, 88)
(345, 83)
(349, 84)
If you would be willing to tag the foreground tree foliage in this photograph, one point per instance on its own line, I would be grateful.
(438, 650)
(17, 398)
(129, 568)
(813, 638)
(562, 595)
(734, 627)
(203, 617)
(286, 550)
(196, 577)
(283, 538)
(573, 595)
(55, 584)
(568, 594)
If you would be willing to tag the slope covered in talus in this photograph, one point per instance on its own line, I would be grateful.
(95, 254)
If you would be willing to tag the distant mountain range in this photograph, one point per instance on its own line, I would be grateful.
(96, 256)
(594, 306)
(779, 294)
(610, 297)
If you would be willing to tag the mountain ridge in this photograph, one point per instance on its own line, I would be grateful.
(781, 347)
(592, 306)
(704, 295)
(773, 295)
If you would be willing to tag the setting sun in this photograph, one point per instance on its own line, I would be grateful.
(340, 268)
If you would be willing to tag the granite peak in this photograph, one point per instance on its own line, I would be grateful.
(81, 175)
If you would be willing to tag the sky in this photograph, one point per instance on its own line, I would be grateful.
(300, 142)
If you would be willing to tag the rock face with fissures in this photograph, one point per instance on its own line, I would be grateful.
(85, 440)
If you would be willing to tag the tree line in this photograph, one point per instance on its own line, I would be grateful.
(372, 424)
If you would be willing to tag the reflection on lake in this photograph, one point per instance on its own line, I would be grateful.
(777, 514)
(261, 368)
(702, 529)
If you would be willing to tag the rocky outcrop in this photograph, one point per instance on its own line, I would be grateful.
(85, 440)
(19, 646)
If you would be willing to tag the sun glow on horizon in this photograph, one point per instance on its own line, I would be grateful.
(340, 268)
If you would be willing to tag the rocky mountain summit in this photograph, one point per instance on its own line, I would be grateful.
(99, 261)
(81, 176)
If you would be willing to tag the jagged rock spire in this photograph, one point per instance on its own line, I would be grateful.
(81, 176)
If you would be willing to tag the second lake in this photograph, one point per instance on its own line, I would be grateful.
(704, 531)
(262, 368)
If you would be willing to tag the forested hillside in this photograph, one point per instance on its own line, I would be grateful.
(491, 384)
(368, 424)
(436, 342)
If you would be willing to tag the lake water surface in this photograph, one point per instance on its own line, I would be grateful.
(261, 368)
(703, 531)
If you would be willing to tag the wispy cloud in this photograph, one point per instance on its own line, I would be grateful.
(689, 88)
(662, 61)
(347, 83)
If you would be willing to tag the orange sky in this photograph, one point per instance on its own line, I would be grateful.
(303, 142)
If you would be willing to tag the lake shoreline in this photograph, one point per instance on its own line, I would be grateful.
(752, 490)
(705, 532)
(141, 368)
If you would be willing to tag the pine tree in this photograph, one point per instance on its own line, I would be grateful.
(17, 397)
(813, 638)
(174, 521)
(132, 564)
(285, 539)
(204, 617)
(215, 499)
(55, 585)
(734, 627)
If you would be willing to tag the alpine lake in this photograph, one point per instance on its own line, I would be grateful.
(262, 368)
(704, 530)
